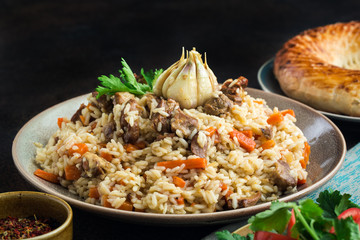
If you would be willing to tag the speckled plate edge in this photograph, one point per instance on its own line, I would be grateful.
(23, 137)
(268, 83)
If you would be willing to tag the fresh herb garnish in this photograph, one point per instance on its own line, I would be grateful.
(127, 81)
(314, 220)
(226, 235)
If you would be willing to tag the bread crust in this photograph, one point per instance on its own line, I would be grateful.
(321, 67)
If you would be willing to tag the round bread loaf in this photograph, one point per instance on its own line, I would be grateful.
(321, 67)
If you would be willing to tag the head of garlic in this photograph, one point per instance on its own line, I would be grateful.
(189, 81)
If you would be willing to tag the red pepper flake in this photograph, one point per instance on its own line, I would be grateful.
(27, 227)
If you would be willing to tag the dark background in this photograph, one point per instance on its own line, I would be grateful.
(51, 51)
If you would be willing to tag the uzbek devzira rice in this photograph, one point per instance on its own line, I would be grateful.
(190, 146)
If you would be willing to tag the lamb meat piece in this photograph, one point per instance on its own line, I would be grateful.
(282, 176)
(218, 105)
(230, 88)
(103, 102)
(131, 132)
(268, 132)
(199, 149)
(183, 122)
(108, 130)
(161, 123)
(149, 100)
(93, 165)
(161, 137)
(121, 97)
(245, 202)
(77, 114)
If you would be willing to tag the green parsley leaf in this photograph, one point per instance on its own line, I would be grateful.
(126, 82)
(346, 229)
(151, 76)
(274, 219)
(226, 235)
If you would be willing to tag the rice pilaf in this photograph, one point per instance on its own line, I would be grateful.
(121, 170)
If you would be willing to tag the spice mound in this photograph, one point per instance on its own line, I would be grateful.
(27, 227)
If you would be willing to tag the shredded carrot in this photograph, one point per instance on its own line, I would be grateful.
(72, 172)
(82, 118)
(245, 142)
(248, 133)
(268, 144)
(189, 163)
(121, 182)
(306, 155)
(127, 206)
(130, 147)
(94, 193)
(258, 102)
(229, 192)
(288, 111)
(105, 202)
(180, 200)
(88, 106)
(211, 131)
(179, 182)
(192, 204)
(50, 177)
(223, 186)
(275, 118)
(107, 156)
(301, 182)
(80, 148)
(61, 120)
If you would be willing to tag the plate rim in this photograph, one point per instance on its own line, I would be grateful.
(170, 219)
(266, 89)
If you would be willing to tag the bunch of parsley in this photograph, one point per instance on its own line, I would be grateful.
(313, 220)
(126, 82)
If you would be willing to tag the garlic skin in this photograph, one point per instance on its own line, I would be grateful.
(189, 81)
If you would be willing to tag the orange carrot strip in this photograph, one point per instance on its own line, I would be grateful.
(245, 142)
(180, 200)
(248, 133)
(50, 177)
(94, 193)
(306, 155)
(268, 144)
(104, 201)
(130, 147)
(107, 156)
(258, 102)
(223, 186)
(61, 120)
(301, 182)
(179, 182)
(288, 111)
(211, 131)
(72, 172)
(81, 149)
(275, 118)
(127, 206)
(227, 195)
(82, 118)
(189, 163)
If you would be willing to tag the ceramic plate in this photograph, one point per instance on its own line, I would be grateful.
(327, 154)
(269, 83)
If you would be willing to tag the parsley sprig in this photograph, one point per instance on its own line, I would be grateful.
(313, 219)
(126, 82)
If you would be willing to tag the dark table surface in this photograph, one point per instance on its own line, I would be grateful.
(51, 51)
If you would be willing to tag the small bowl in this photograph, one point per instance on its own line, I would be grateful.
(27, 203)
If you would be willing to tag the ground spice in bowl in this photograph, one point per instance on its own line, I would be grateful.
(25, 227)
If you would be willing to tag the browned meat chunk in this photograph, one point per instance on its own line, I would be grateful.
(199, 146)
(161, 137)
(131, 129)
(93, 165)
(103, 103)
(181, 121)
(77, 114)
(231, 88)
(218, 105)
(282, 176)
(160, 121)
(245, 202)
(122, 97)
(108, 131)
(268, 132)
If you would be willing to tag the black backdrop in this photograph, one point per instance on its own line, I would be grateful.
(51, 51)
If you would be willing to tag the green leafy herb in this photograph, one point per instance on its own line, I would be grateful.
(226, 235)
(312, 220)
(127, 81)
